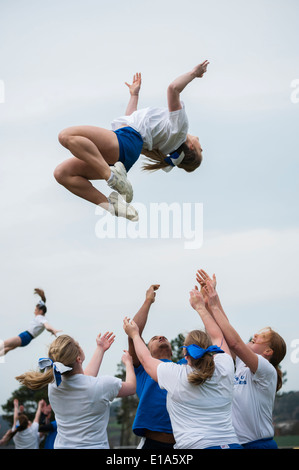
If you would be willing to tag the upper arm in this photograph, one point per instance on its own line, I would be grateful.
(126, 389)
(173, 98)
(150, 365)
(246, 355)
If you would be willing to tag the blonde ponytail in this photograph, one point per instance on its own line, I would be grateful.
(203, 368)
(36, 380)
(64, 349)
(191, 160)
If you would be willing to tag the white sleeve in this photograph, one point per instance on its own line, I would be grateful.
(167, 373)
(265, 372)
(224, 363)
(41, 319)
(179, 121)
(111, 387)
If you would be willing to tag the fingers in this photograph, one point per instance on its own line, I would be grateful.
(155, 286)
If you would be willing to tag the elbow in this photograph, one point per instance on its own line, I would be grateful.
(235, 346)
(173, 89)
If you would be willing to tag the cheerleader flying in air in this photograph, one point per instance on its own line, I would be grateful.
(161, 134)
(37, 325)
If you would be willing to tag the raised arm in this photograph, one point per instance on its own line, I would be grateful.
(103, 343)
(38, 411)
(134, 89)
(149, 363)
(15, 412)
(51, 329)
(177, 86)
(141, 318)
(129, 385)
(234, 341)
(197, 302)
(202, 277)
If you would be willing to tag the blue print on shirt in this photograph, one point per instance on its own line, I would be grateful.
(240, 380)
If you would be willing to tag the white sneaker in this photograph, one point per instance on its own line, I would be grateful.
(121, 209)
(120, 183)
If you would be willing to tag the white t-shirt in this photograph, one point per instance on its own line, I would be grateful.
(253, 401)
(81, 405)
(200, 414)
(159, 128)
(37, 325)
(27, 439)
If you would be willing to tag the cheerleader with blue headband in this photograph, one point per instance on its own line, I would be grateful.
(199, 393)
(159, 133)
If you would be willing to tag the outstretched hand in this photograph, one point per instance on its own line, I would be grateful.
(200, 69)
(134, 88)
(126, 358)
(208, 287)
(196, 299)
(202, 277)
(130, 327)
(106, 340)
(151, 292)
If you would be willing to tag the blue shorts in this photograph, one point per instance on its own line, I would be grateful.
(26, 337)
(267, 443)
(130, 146)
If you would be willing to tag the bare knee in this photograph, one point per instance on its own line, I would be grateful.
(61, 174)
(66, 137)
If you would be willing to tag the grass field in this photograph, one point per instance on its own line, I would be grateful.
(287, 441)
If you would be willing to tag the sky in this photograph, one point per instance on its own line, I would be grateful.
(65, 63)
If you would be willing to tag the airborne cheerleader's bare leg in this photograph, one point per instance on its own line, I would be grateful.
(10, 344)
(74, 175)
(97, 148)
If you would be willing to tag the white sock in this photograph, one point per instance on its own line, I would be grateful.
(110, 179)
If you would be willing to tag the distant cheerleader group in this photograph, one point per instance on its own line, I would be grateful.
(221, 394)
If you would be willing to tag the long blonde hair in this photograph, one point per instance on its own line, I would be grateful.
(156, 158)
(204, 367)
(63, 349)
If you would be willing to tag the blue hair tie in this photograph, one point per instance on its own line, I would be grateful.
(58, 368)
(197, 352)
(174, 159)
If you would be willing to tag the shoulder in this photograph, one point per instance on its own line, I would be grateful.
(41, 319)
(265, 368)
(170, 369)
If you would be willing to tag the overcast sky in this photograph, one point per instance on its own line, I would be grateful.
(64, 63)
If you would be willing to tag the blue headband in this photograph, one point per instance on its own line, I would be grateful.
(174, 159)
(58, 368)
(197, 352)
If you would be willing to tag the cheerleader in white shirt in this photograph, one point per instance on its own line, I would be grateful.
(24, 433)
(80, 399)
(199, 394)
(37, 325)
(257, 377)
(161, 134)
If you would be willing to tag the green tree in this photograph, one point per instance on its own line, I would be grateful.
(176, 344)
